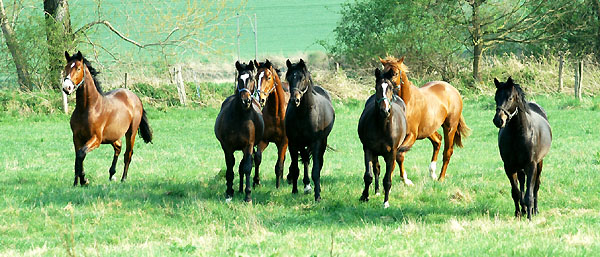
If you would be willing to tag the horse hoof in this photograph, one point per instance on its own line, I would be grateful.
(294, 191)
(364, 198)
(111, 179)
(248, 200)
(317, 199)
(84, 182)
(377, 194)
(408, 182)
(386, 205)
(307, 189)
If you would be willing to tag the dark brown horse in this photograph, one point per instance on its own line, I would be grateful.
(524, 139)
(435, 104)
(239, 126)
(381, 129)
(101, 118)
(308, 122)
(274, 97)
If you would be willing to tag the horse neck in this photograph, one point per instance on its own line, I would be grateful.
(405, 87)
(279, 94)
(87, 95)
(521, 122)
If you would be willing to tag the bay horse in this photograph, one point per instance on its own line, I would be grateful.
(101, 118)
(524, 139)
(381, 129)
(239, 126)
(308, 121)
(273, 96)
(435, 104)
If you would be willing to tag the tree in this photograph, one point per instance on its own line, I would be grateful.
(488, 23)
(24, 79)
(58, 35)
(371, 28)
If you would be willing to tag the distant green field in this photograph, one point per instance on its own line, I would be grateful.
(173, 203)
(284, 27)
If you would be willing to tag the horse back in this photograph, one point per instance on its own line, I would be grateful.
(321, 91)
(538, 109)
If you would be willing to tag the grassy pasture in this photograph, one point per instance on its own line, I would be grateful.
(173, 202)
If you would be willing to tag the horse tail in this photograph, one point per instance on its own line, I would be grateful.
(462, 132)
(145, 129)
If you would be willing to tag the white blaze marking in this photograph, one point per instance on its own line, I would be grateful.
(72, 65)
(244, 77)
(384, 86)
(260, 79)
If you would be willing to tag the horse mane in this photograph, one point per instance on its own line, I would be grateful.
(522, 102)
(93, 72)
(396, 63)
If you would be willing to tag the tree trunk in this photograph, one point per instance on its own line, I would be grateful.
(597, 7)
(24, 79)
(561, 63)
(477, 38)
(59, 37)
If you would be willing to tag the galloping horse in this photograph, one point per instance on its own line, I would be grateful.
(274, 96)
(308, 122)
(434, 104)
(381, 128)
(101, 118)
(239, 126)
(524, 139)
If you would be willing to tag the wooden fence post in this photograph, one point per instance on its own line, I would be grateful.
(180, 85)
(125, 79)
(65, 102)
(561, 62)
(578, 79)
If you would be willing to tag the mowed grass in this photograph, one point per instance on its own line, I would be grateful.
(173, 202)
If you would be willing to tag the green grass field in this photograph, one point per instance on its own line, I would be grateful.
(173, 202)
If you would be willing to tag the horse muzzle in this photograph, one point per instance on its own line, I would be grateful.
(68, 86)
(500, 120)
(246, 103)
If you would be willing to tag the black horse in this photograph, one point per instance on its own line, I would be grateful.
(381, 129)
(308, 121)
(240, 126)
(524, 139)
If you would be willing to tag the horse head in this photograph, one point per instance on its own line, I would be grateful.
(265, 76)
(397, 67)
(299, 79)
(245, 83)
(74, 71)
(384, 91)
(509, 99)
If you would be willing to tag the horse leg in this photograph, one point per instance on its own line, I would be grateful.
(318, 151)
(80, 156)
(229, 161)
(400, 161)
(305, 162)
(436, 141)
(377, 171)
(111, 172)
(531, 173)
(390, 165)
(409, 140)
(449, 133)
(368, 177)
(130, 141)
(281, 148)
(521, 177)
(257, 160)
(246, 168)
(537, 187)
(294, 170)
(516, 193)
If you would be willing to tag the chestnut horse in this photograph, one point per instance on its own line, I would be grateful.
(239, 126)
(273, 96)
(381, 129)
(435, 104)
(524, 139)
(101, 118)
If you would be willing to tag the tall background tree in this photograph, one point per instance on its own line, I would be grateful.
(58, 35)
(16, 49)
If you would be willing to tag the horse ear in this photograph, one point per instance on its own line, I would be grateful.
(251, 65)
(79, 56)
(288, 64)
(510, 81)
(238, 66)
(401, 60)
(382, 61)
(496, 82)
(267, 63)
(255, 64)
(377, 73)
(67, 56)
